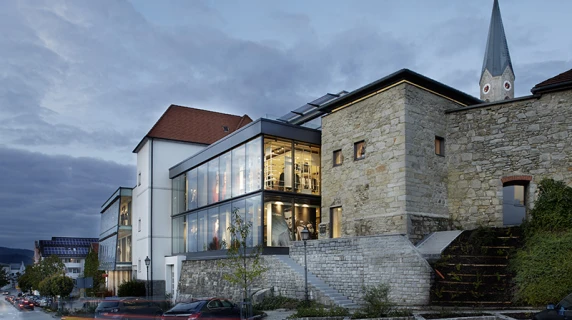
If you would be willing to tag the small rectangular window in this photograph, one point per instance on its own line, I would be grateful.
(139, 179)
(139, 266)
(359, 150)
(338, 159)
(439, 146)
(139, 225)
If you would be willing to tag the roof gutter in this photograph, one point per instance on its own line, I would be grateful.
(552, 87)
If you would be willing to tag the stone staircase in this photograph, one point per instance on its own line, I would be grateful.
(318, 284)
(473, 269)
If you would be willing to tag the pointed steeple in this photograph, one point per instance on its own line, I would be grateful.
(497, 75)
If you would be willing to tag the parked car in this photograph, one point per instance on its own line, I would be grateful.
(43, 302)
(127, 308)
(212, 308)
(25, 304)
(6, 293)
(562, 311)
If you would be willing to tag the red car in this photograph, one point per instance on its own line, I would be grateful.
(25, 304)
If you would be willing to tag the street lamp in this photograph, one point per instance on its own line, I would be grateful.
(147, 263)
(305, 236)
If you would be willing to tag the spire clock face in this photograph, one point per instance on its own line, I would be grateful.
(507, 85)
(486, 88)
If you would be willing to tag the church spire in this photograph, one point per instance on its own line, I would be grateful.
(497, 77)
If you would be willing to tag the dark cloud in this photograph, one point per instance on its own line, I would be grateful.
(44, 196)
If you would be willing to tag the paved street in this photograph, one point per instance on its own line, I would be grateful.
(8, 311)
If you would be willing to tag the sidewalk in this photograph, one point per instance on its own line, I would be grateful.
(278, 314)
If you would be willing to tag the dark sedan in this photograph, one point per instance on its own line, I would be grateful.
(211, 308)
(25, 304)
(562, 311)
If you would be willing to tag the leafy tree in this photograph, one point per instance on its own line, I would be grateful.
(45, 287)
(246, 263)
(91, 269)
(3, 277)
(50, 266)
(30, 279)
(132, 288)
(61, 285)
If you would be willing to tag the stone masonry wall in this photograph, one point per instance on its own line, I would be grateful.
(370, 191)
(529, 137)
(347, 264)
(425, 171)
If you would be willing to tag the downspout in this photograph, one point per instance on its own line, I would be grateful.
(151, 219)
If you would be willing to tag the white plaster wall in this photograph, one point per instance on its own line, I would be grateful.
(165, 154)
(176, 262)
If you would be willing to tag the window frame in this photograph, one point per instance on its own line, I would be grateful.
(341, 157)
(332, 209)
(440, 146)
(363, 150)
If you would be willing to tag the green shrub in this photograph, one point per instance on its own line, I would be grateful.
(315, 310)
(277, 302)
(132, 288)
(543, 268)
(376, 302)
(552, 210)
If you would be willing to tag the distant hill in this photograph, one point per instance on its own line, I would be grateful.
(9, 255)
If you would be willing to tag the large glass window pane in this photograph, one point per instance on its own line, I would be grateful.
(179, 234)
(238, 170)
(253, 163)
(213, 231)
(125, 211)
(306, 169)
(277, 164)
(307, 215)
(179, 194)
(192, 189)
(213, 186)
(225, 176)
(202, 231)
(224, 223)
(254, 217)
(193, 232)
(278, 222)
(336, 222)
(202, 185)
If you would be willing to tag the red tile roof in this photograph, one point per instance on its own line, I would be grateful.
(195, 125)
(565, 79)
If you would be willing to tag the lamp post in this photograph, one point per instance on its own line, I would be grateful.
(147, 263)
(305, 236)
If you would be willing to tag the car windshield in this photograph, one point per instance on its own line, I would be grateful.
(186, 307)
(108, 304)
(566, 302)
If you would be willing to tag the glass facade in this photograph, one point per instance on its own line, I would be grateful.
(229, 183)
(291, 166)
(115, 237)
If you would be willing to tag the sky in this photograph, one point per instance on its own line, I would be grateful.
(82, 82)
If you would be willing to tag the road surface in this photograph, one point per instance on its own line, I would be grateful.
(9, 312)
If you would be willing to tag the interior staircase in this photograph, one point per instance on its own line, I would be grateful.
(473, 269)
(318, 284)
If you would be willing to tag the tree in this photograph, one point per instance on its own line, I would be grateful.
(3, 277)
(50, 266)
(61, 285)
(91, 269)
(45, 287)
(246, 263)
(30, 279)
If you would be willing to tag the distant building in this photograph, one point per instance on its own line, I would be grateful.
(115, 238)
(72, 252)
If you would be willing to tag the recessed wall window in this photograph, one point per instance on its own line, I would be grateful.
(139, 225)
(514, 203)
(338, 158)
(139, 179)
(439, 146)
(336, 222)
(139, 265)
(359, 150)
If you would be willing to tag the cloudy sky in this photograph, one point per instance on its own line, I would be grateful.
(81, 82)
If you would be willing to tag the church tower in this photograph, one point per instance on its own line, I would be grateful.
(497, 77)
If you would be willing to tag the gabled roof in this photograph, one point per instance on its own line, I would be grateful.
(497, 57)
(403, 75)
(186, 124)
(559, 82)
